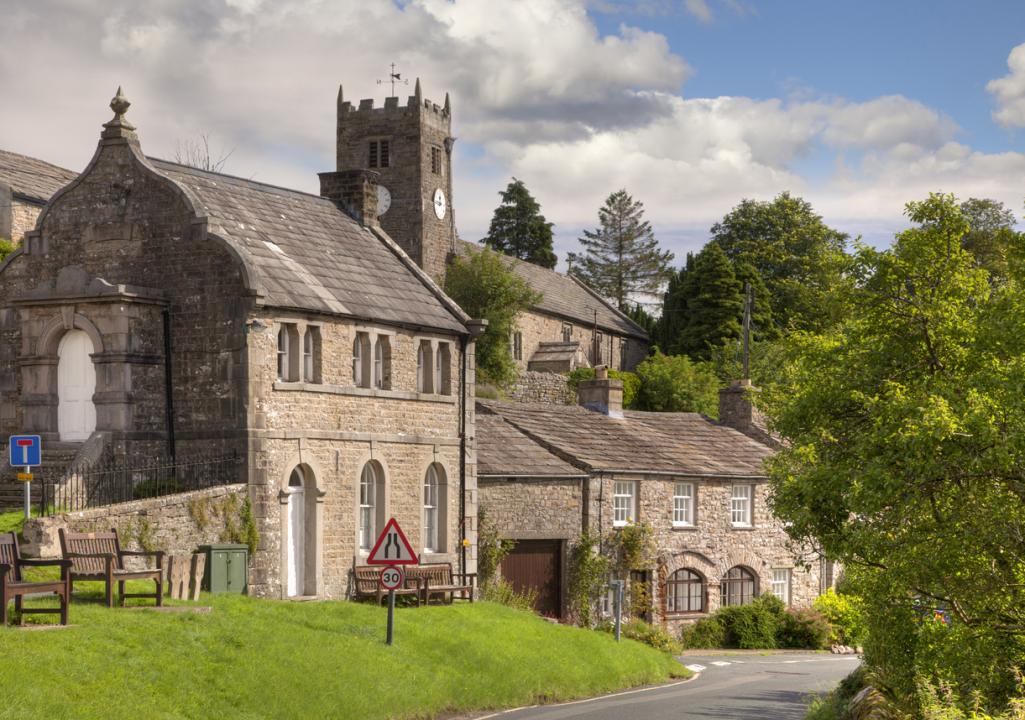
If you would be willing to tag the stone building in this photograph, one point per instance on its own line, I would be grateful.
(25, 186)
(546, 473)
(159, 309)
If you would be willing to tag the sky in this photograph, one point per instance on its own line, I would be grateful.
(690, 105)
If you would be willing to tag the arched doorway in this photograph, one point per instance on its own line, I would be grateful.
(76, 383)
(296, 532)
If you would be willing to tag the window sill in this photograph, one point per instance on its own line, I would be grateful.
(362, 392)
(742, 527)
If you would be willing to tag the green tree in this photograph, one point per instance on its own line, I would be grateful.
(643, 318)
(679, 290)
(519, 229)
(905, 429)
(675, 383)
(714, 305)
(991, 235)
(798, 257)
(484, 287)
(621, 258)
(6, 248)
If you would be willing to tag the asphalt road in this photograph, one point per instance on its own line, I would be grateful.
(760, 687)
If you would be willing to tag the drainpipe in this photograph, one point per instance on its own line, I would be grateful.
(168, 388)
(463, 388)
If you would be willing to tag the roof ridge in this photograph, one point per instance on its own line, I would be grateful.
(225, 176)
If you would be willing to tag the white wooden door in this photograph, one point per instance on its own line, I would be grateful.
(76, 383)
(296, 541)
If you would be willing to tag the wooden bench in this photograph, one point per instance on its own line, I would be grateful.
(438, 579)
(367, 584)
(14, 586)
(98, 556)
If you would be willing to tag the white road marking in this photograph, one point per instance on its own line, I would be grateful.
(695, 667)
(721, 663)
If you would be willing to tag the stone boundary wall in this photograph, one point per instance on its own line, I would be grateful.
(176, 524)
(542, 387)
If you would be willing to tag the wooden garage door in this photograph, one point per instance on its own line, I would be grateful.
(536, 565)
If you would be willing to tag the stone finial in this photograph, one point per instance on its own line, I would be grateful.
(417, 93)
(341, 98)
(118, 127)
(448, 105)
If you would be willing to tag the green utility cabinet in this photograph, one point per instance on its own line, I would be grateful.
(227, 568)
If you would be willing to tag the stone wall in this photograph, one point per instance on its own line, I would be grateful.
(23, 219)
(537, 328)
(542, 387)
(176, 524)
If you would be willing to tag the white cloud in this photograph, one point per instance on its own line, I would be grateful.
(537, 91)
(1009, 91)
(699, 9)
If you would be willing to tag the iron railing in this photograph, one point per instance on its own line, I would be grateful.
(118, 479)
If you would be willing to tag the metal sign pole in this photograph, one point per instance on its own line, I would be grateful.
(28, 495)
(391, 615)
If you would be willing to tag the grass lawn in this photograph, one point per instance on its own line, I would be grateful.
(12, 521)
(254, 658)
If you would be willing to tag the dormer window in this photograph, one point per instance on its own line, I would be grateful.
(380, 154)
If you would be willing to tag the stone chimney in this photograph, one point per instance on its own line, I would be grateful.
(602, 394)
(738, 412)
(355, 191)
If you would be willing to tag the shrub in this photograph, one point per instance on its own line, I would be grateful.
(845, 614)
(803, 629)
(705, 633)
(588, 570)
(677, 384)
(641, 631)
(502, 592)
(750, 626)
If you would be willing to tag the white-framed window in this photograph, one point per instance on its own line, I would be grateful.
(740, 506)
(781, 584)
(283, 348)
(624, 502)
(431, 496)
(683, 504)
(367, 506)
(382, 363)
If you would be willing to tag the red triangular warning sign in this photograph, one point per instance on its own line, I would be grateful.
(392, 547)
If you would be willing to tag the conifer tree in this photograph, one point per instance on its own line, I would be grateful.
(621, 257)
(714, 307)
(674, 305)
(519, 229)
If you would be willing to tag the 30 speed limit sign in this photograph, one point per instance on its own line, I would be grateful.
(392, 577)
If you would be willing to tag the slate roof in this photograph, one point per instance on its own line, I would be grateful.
(504, 451)
(308, 254)
(556, 352)
(678, 443)
(570, 299)
(31, 179)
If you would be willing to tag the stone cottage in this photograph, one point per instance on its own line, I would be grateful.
(156, 308)
(25, 185)
(547, 473)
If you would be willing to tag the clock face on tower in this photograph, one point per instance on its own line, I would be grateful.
(440, 204)
(383, 200)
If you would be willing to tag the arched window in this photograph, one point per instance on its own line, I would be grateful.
(431, 503)
(368, 506)
(420, 368)
(439, 365)
(380, 363)
(283, 373)
(357, 361)
(685, 592)
(739, 586)
(308, 355)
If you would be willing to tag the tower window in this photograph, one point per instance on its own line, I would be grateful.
(380, 154)
(435, 160)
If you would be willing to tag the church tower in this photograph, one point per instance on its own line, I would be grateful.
(409, 148)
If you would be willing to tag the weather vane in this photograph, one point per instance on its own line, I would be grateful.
(393, 78)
